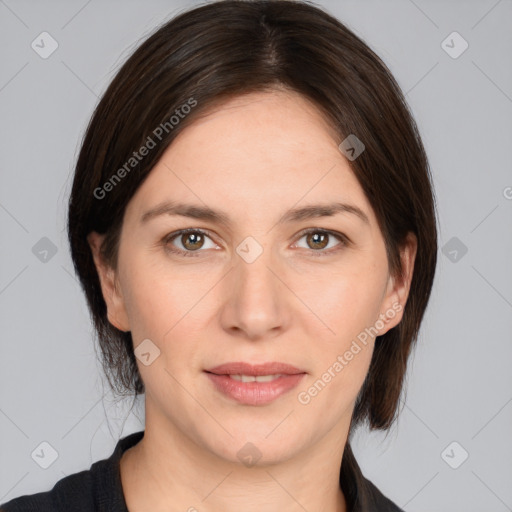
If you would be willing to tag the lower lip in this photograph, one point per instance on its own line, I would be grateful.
(255, 393)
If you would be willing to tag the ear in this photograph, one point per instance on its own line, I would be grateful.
(398, 287)
(116, 311)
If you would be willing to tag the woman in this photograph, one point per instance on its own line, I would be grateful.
(253, 223)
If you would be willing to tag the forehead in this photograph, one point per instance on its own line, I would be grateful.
(259, 152)
(274, 110)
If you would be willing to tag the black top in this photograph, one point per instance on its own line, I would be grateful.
(99, 489)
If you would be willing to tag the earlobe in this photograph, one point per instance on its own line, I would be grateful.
(110, 290)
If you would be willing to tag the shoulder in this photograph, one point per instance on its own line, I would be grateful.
(97, 489)
(361, 494)
(73, 492)
(374, 500)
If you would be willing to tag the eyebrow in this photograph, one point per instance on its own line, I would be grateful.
(295, 214)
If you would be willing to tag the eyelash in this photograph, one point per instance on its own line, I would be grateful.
(318, 253)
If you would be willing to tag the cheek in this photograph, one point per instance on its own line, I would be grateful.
(331, 390)
(347, 300)
(155, 300)
(166, 311)
(171, 308)
(342, 357)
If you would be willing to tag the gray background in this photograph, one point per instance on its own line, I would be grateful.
(459, 378)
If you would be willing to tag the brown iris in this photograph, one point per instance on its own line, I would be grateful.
(196, 240)
(320, 239)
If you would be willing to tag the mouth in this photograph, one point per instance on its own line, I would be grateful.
(254, 384)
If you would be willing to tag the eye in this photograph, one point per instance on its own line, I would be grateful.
(319, 239)
(191, 241)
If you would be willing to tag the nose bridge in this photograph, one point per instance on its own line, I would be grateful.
(252, 270)
(254, 282)
(256, 301)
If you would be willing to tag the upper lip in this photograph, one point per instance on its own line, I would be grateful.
(242, 368)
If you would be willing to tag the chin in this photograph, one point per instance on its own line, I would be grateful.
(255, 445)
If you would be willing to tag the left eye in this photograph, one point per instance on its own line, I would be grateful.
(319, 239)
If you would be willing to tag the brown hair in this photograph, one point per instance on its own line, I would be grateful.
(220, 50)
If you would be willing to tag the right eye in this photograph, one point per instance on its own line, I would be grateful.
(191, 240)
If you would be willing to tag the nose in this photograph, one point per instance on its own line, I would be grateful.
(257, 300)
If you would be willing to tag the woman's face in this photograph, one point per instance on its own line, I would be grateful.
(259, 284)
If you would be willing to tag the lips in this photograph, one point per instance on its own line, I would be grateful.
(254, 384)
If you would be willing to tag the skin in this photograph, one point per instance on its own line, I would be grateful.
(254, 158)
